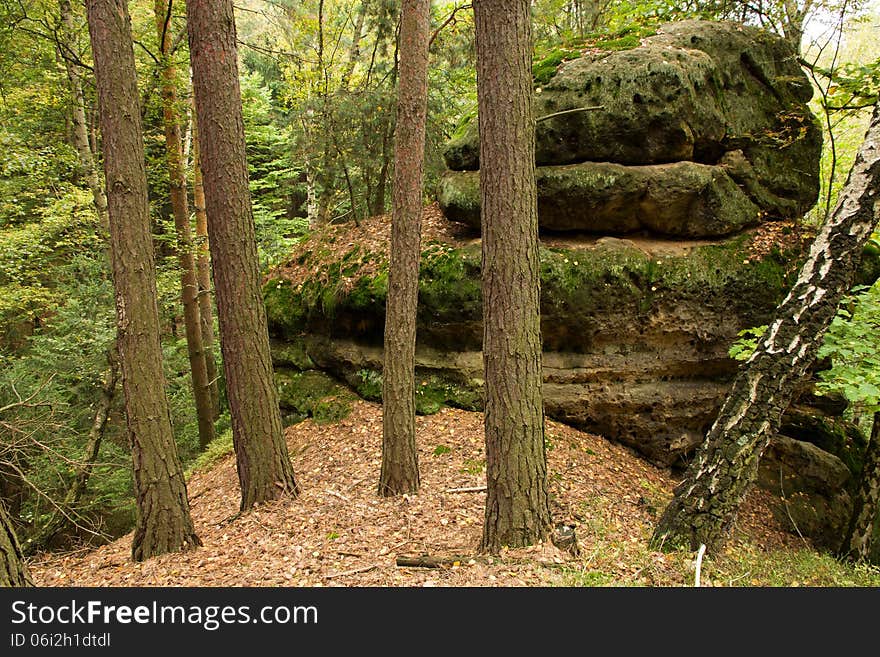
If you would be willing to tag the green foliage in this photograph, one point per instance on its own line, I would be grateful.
(368, 384)
(853, 344)
(219, 448)
(440, 450)
(743, 348)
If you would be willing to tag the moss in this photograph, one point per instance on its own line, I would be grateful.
(626, 38)
(544, 69)
(433, 391)
(312, 394)
(291, 354)
(449, 283)
(368, 384)
(284, 308)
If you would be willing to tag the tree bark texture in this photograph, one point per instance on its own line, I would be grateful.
(203, 271)
(264, 468)
(857, 543)
(13, 570)
(189, 285)
(517, 505)
(400, 465)
(163, 523)
(706, 501)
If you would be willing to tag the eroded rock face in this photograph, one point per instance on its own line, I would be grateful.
(683, 199)
(721, 95)
(635, 333)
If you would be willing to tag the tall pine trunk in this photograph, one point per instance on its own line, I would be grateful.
(189, 285)
(13, 571)
(517, 504)
(264, 468)
(163, 522)
(858, 542)
(203, 271)
(400, 464)
(707, 500)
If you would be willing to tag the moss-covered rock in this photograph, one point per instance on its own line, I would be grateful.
(635, 339)
(693, 92)
(812, 486)
(684, 199)
(311, 394)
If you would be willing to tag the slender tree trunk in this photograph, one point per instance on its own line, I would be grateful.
(517, 504)
(189, 285)
(707, 500)
(858, 542)
(203, 271)
(355, 50)
(400, 464)
(78, 114)
(13, 571)
(163, 523)
(264, 468)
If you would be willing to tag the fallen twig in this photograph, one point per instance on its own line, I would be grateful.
(471, 489)
(428, 561)
(353, 571)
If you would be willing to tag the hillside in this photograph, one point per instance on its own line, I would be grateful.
(339, 533)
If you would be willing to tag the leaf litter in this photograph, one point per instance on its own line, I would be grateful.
(339, 532)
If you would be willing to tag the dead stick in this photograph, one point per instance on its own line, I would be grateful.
(569, 111)
(473, 489)
(427, 561)
(354, 571)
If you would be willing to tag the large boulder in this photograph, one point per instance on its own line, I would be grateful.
(812, 486)
(712, 93)
(682, 199)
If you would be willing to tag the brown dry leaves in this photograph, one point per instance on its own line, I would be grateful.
(338, 532)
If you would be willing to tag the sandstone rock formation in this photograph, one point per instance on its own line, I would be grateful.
(665, 199)
(700, 131)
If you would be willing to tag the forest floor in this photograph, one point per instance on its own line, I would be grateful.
(338, 532)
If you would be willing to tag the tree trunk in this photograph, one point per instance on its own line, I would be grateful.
(203, 271)
(400, 464)
(705, 503)
(13, 571)
(163, 523)
(857, 543)
(264, 468)
(517, 504)
(78, 114)
(189, 285)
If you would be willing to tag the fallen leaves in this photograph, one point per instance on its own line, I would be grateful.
(339, 532)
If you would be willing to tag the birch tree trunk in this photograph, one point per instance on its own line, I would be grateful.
(706, 501)
(858, 542)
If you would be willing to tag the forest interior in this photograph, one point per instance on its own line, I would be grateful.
(502, 293)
